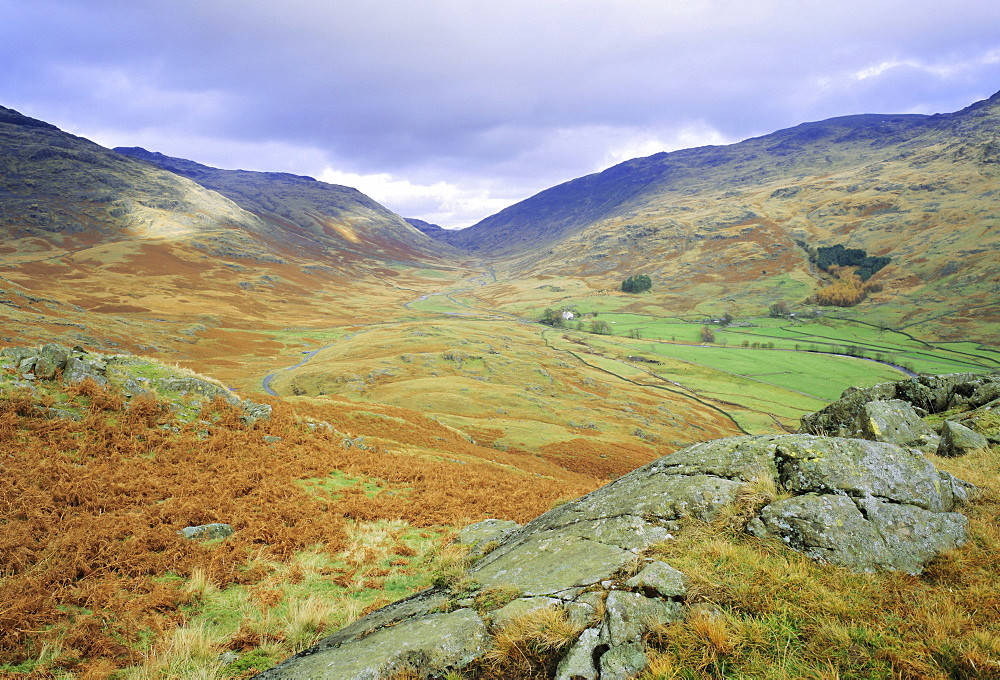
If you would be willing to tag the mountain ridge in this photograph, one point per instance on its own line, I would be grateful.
(309, 211)
(568, 207)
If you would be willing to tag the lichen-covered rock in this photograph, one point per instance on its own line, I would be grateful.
(432, 644)
(578, 664)
(549, 563)
(81, 366)
(661, 578)
(858, 468)
(860, 504)
(838, 419)
(895, 421)
(208, 531)
(861, 534)
(957, 440)
(485, 535)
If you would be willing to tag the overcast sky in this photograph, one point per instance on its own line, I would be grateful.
(449, 110)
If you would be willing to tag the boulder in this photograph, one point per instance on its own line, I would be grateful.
(859, 504)
(51, 361)
(862, 534)
(838, 419)
(207, 531)
(895, 421)
(957, 440)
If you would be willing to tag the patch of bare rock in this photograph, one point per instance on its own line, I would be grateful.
(867, 501)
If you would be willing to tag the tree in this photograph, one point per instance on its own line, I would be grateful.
(778, 309)
(707, 334)
(637, 283)
(839, 256)
(600, 327)
(635, 334)
(552, 317)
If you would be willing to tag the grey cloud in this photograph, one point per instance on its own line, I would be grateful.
(468, 92)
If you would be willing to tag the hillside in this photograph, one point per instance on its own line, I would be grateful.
(734, 224)
(60, 193)
(310, 214)
(106, 250)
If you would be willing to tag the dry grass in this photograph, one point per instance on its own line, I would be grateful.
(761, 610)
(530, 645)
(95, 576)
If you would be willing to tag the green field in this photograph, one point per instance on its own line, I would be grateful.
(827, 336)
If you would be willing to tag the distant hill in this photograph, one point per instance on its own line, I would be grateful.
(435, 231)
(736, 223)
(305, 211)
(426, 227)
(60, 191)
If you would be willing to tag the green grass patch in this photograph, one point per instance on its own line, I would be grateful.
(336, 481)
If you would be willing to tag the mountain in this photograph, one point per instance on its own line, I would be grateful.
(807, 150)
(745, 218)
(425, 227)
(304, 211)
(60, 191)
(139, 251)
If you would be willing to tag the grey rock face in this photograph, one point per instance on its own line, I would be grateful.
(482, 536)
(859, 504)
(207, 531)
(861, 534)
(660, 577)
(957, 440)
(894, 421)
(432, 643)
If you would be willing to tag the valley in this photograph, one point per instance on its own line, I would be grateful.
(419, 382)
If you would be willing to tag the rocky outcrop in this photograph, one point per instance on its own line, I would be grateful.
(859, 504)
(51, 361)
(54, 362)
(849, 416)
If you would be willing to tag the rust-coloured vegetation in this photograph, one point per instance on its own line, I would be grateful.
(847, 290)
(90, 509)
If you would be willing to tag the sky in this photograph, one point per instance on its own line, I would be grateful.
(450, 110)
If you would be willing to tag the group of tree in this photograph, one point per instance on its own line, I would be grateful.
(600, 327)
(847, 291)
(866, 265)
(778, 310)
(553, 317)
(637, 283)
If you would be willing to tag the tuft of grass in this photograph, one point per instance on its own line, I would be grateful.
(494, 598)
(191, 651)
(530, 645)
(448, 568)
